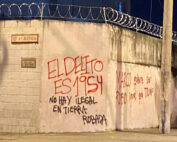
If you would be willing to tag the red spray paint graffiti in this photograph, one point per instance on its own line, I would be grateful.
(133, 87)
(86, 72)
(82, 77)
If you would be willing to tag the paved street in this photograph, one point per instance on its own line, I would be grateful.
(146, 135)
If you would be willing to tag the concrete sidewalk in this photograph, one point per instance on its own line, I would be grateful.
(145, 135)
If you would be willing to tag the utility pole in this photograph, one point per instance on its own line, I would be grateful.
(166, 66)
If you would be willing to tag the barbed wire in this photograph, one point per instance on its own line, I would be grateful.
(80, 13)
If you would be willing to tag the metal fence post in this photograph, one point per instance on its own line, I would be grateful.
(42, 10)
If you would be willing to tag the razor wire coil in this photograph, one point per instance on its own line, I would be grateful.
(80, 13)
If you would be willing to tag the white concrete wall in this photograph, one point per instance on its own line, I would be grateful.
(19, 87)
(116, 59)
(66, 46)
(134, 67)
(138, 95)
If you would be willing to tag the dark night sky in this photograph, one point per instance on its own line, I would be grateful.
(142, 8)
(139, 8)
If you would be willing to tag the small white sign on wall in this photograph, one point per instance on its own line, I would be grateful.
(24, 38)
(28, 62)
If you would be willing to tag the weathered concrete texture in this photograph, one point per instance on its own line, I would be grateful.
(137, 60)
(89, 77)
(19, 87)
(132, 47)
(147, 135)
(132, 86)
(174, 57)
(174, 105)
(75, 67)
(129, 49)
(137, 95)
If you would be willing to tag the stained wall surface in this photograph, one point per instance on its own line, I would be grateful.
(88, 77)
(74, 73)
(137, 59)
(19, 87)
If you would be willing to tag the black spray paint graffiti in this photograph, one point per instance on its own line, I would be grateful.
(94, 119)
(62, 105)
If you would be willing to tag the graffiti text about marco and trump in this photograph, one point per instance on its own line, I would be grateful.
(133, 87)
